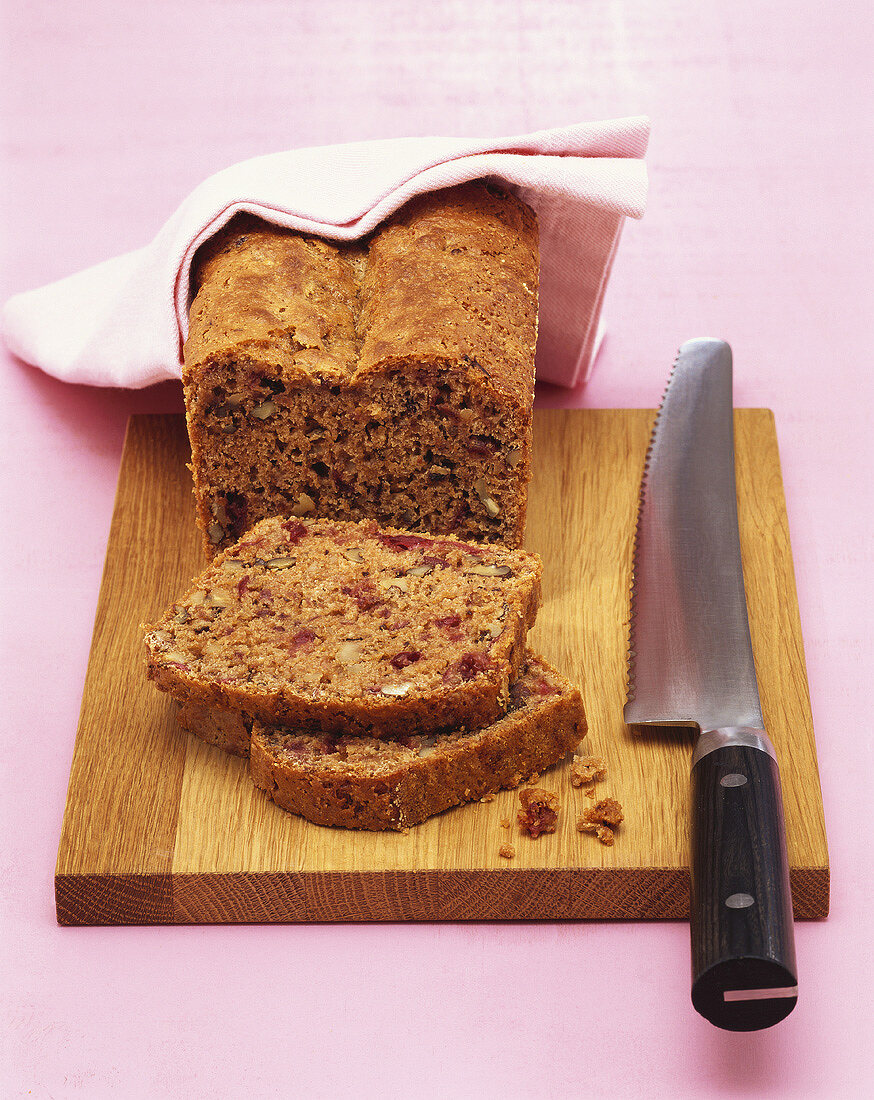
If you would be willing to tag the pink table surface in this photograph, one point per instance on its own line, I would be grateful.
(759, 230)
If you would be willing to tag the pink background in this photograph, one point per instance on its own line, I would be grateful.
(759, 229)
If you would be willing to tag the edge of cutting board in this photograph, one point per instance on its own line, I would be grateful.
(479, 894)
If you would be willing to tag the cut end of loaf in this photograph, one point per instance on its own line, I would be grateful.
(418, 449)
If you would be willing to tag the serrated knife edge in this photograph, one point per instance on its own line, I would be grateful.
(641, 500)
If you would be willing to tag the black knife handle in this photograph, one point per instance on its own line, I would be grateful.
(743, 945)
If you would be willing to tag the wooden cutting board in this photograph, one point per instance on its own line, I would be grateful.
(161, 828)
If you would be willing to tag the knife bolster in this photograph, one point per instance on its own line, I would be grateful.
(746, 736)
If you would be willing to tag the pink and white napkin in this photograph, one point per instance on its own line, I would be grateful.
(123, 322)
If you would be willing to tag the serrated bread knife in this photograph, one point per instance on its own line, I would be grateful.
(691, 664)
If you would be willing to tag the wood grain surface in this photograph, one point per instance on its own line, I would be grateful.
(161, 828)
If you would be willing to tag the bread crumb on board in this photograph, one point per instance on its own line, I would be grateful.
(539, 813)
(588, 769)
(602, 832)
(507, 851)
(601, 819)
(505, 823)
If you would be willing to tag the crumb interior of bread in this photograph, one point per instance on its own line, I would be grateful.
(343, 610)
(371, 756)
(414, 448)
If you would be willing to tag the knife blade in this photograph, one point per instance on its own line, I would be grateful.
(691, 664)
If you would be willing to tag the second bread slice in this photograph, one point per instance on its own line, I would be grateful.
(346, 627)
(365, 783)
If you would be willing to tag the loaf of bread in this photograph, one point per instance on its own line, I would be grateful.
(365, 783)
(348, 627)
(390, 379)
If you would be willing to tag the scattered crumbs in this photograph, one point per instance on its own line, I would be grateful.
(601, 819)
(505, 823)
(588, 769)
(590, 792)
(539, 813)
(488, 798)
(506, 851)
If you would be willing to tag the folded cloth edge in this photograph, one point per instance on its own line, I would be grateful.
(84, 327)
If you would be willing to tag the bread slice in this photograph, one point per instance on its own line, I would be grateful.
(350, 628)
(366, 783)
(391, 378)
